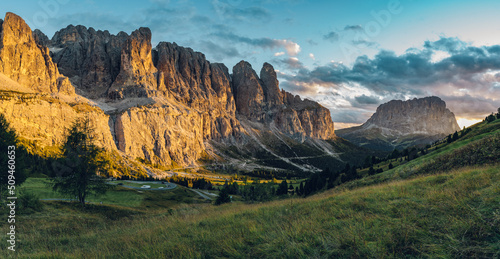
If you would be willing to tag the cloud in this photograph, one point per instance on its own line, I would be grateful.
(231, 11)
(353, 28)
(311, 56)
(331, 36)
(467, 78)
(313, 43)
(291, 63)
(446, 44)
(277, 54)
(218, 52)
(363, 99)
(291, 47)
(364, 43)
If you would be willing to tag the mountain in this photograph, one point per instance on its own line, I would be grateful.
(25, 61)
(167, 105)
(400, 124)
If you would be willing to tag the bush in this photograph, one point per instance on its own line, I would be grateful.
(29, 202)
(223, 197)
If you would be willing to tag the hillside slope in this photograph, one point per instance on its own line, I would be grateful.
(449, 215)
(410, 210)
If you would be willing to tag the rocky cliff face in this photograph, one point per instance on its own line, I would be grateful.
(90, 58)
(137, 77)
(44, 120)
(168, 105)
(25, 61)
(259, 99)
(428, 116)
(190, 79)
(404, 123)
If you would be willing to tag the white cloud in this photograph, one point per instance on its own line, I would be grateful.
(291, 47)
(277, 54)
(312, 56)
(439, 55)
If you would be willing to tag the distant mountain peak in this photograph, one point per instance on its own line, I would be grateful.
(404, 123)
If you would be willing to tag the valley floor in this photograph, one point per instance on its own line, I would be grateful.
(454, 214)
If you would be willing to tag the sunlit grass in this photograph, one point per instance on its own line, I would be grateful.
(454, 214)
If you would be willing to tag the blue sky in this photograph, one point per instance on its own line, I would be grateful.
(350, 56)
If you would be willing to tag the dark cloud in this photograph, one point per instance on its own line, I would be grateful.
(331, 36)
(290, 63)
(218, 52)
(389, 72)
(313, 43)
(291, 47)
(446, 44)
(351, 115)
(232, 11)
(364, 43)
(363, 99)
(258, 42)
(471, 107)
(353, 28)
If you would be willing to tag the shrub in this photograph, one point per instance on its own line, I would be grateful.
(29, 202)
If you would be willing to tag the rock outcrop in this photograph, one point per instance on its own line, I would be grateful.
(25, 61)
(428, 116)
(270, 86)
(190, 79)
(400, 124)
(248, 91)
(259, 99)
(90, 58)
(138, 75)
(40, 38)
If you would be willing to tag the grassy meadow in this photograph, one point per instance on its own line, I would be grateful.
(455, 214)
(445, 204)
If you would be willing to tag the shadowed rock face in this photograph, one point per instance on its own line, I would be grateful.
(248, 91)
(40, 38)
(400, 124)
(427, 116)
(260, 100)
(91, 59)
(270, 86)
(26, 62)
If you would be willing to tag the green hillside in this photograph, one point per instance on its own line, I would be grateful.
(444, 204)
(448, 215)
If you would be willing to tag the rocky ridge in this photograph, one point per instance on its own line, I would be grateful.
(167, 104)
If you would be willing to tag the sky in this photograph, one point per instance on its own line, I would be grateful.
(350, 56)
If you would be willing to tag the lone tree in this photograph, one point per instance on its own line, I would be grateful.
(78, 170)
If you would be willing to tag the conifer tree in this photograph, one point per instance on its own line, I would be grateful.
(78, 171)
